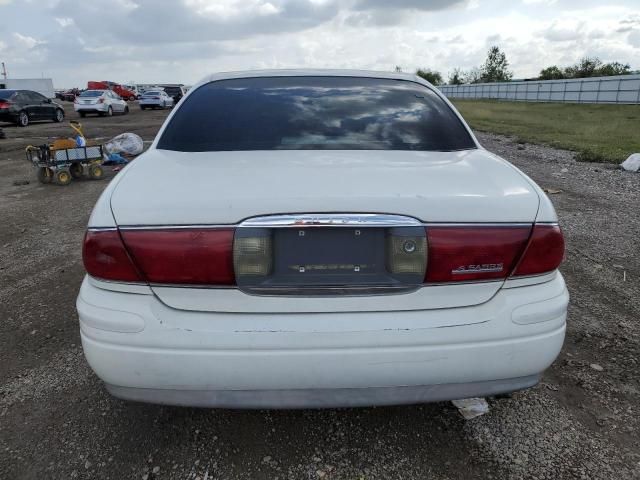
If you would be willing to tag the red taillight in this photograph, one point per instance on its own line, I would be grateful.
(469, 253)
(101, 100)
(155, 98)
(183, 256)
(4, 104)
(105, 257)
(544, 253)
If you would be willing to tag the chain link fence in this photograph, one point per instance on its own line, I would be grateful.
(618, 89)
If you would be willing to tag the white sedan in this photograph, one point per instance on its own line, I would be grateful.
(317, 239)
(102, 102)
(155, 99)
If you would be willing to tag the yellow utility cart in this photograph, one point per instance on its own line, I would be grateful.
(63, 160)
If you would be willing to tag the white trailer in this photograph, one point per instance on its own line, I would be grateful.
(40, 85)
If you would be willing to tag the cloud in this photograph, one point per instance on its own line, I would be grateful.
(182, 40)
(65, 22)
(423, 5)
(634, 39)
(383, 13)
(563, 31)
(171, 21)
(27, 41)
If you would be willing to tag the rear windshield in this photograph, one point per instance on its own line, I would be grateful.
(326, 113)
(91, 93)
(4, 94)
(145, 94)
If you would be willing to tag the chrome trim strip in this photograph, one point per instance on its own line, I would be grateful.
(338, 220)
(330, 220)
(177, 227)
(193, 285)
(101, 229)
(330, 291)
(478, 224)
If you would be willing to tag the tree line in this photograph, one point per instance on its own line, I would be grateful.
(496, 69)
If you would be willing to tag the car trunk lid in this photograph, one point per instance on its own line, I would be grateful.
(227, 188)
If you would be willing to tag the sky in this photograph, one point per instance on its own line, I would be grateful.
(181, 41)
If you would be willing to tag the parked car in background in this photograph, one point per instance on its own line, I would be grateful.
(155, 99)
(134, 89)
(120, 90)
(69, 95)
(319, 239)
(102, 102)
(24, 106)
(175, 91)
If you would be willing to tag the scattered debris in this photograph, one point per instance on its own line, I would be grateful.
(596, 367)
(632, 164)
(18, 183)
(127, 143)
(471, 407)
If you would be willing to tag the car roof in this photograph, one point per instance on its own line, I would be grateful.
(310, 72)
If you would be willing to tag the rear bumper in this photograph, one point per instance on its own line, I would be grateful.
(95, 108)
(146, 351)
(8, 117)
(322, 398)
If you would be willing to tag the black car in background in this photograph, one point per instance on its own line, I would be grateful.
(24, 106)
(174, 91)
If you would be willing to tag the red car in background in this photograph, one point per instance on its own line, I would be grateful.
(124, 92)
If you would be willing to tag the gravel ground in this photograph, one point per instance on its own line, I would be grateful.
(57, 421)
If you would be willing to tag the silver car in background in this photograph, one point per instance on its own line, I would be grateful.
(102, 102)
(155, 99)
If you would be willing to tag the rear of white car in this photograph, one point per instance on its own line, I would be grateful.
(102, 102)
(317, 239)
(155, 99)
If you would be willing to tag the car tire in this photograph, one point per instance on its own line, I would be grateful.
(62, 177)
(58, 117)
(142, 107)
(109, 112)
(23, 119)
(132, 98)
(96, 172)
(76, 170)
(45, 175)
(126, 110)
(164, 105)
(82, 114)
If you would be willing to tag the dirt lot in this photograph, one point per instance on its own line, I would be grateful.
(57, 421)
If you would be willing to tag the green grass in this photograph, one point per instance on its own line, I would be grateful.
(599, 133)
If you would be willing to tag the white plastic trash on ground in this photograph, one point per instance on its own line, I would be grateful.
(632, 164)
(128, 143)
(471, 407)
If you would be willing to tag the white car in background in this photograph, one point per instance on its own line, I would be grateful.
(155, 99)
(102, 102)
(320, 238)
